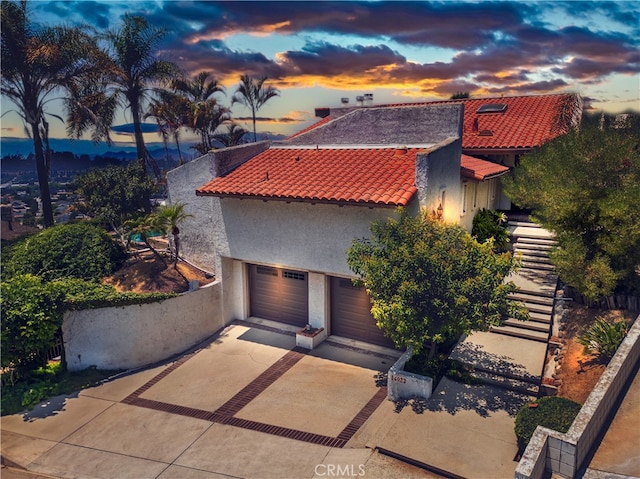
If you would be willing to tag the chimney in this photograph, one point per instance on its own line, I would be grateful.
(368, 99)
(359, 100)
(344, 101)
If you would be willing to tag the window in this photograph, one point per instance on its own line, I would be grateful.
(492, 108)
(475, 195)
(266, 270)
(294, 275)
(464, 198)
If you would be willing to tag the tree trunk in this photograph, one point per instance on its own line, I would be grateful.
(43, 176)
(141, 150)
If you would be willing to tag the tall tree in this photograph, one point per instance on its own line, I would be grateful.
(170, 112)
(128, 79)
(233, 136)
(253, 94)
(36, 63)
(585, 187)
(430, 282)
(204, 113)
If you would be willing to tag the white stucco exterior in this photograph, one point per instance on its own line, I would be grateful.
(230, 233)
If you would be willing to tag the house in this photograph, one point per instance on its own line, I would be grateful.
(499, 129)
(274, 220)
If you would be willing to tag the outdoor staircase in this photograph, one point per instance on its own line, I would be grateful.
(532, 244)
(515, 360)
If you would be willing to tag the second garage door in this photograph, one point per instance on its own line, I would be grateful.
(351, 314)
(279, 294)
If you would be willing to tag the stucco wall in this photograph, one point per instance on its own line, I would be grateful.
(438, 172)
(138, 335)
(296, 235)
(196, 232)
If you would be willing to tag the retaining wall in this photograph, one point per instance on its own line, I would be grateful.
(129, 337)
(566, 454)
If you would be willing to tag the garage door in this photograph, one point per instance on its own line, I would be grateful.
(279, 294)
(351, 314)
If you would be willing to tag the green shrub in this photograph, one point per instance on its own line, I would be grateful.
(77, 250)
(487, 224)
(554, 412)
(80, 294)
(603, 338)
(31, 315)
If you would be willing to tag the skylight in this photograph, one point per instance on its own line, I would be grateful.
(492, 108)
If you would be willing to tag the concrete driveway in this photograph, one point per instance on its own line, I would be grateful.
(249, 404)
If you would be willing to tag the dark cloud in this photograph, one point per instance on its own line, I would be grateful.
(265, 119)
(497, 46)
(98, 14)
(324, 59)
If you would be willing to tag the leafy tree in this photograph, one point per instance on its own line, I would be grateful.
(430, 282)
(114, 194)
(460, 95)
(38, 62)
(253, 94)
(585, 187)
(78, 250)
(31, 316)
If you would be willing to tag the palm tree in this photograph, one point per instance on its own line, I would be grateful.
(205, 114)
(171, 114)
(253, 94)
(127, 79)
(167, 218)
(232, 137)
(36, 62)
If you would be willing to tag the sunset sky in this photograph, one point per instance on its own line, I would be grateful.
(318, 52)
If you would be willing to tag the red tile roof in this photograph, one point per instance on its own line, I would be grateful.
(368, 176)
(480, 170)
(528, 121)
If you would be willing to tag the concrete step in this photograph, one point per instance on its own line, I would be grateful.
(531, 298)
(527, 224)
(537, 266)
(531, 251)
(539, 308)
(534, 241)
(539, 317)
(526, 258)
(532, 325)
(511, 384)
(521, 333)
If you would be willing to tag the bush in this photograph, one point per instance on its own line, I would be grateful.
(487, 224)
(554, 412)
(603, 338)
(77, 250)
(31, 315)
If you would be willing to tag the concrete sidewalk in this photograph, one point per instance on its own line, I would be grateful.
(249, 405)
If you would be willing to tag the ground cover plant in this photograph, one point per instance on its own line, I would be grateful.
(44, 382)
(554, 412)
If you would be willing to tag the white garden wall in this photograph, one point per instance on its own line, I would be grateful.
(129, 337)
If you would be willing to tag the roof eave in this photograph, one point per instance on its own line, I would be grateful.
(370, 204)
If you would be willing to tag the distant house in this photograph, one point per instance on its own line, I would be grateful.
(275, 220)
